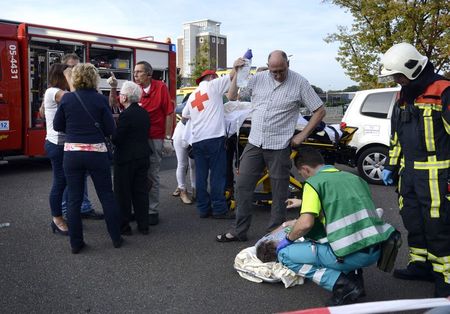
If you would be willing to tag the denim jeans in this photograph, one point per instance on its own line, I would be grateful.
(210, 159)
(76, 164)
(55, 153)
(86, 205)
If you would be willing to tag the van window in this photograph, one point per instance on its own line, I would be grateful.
(377, 105)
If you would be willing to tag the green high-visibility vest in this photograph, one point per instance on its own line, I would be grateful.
(351, 221)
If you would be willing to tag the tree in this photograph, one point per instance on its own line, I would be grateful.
(318, 90)
(379, 24)
(201, 62)
(353, 88)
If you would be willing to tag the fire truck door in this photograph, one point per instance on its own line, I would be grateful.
(11, 128)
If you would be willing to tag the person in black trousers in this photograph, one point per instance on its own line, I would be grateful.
(131, 159)
(86, 121)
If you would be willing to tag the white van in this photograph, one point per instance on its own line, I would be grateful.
(370, 111)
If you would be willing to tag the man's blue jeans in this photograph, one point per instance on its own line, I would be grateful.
(210, 159)
(317, 261)
(86, 205)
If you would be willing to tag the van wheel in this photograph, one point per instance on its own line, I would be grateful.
(371, 162)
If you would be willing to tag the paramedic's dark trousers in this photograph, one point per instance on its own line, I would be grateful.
(253, 162)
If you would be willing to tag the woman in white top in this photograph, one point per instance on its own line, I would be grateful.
(183, 162)
(54, 144)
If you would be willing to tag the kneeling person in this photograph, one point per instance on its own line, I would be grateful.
(344, 232)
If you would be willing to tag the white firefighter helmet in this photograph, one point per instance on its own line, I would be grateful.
(402, 58)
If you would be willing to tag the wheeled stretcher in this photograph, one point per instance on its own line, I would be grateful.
(335, 150)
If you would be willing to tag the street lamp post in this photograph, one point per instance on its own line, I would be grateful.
(217, 46)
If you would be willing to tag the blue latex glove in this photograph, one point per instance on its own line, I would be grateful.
(283, 243)
(387, 177)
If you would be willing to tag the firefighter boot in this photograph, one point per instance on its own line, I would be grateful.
(415, 271)
(345, 291)
(441, 288)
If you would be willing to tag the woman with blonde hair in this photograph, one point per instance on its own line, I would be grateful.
(85, 117)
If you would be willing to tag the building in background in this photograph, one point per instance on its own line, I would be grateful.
(198, 33)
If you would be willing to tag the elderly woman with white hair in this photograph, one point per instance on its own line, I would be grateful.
(131, 159)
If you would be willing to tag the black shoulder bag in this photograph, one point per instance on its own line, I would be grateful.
(107, 140)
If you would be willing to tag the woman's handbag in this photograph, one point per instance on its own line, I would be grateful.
(109, 145)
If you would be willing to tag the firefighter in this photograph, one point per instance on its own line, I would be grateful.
(420, 154)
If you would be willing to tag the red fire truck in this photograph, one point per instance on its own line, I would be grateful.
(26, 53)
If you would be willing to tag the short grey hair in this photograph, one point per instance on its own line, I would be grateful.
(132, 90)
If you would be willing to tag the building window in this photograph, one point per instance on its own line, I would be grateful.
(213, 40)
(222, 41)
(201, 40)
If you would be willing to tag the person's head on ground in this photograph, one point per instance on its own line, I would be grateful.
(278, 65)
(130, 93)
(70, 59)
(85, 76)
(56, 76)
(401, 63)
(308, 161)
(266, 251)
(142, 73)
(207, 75)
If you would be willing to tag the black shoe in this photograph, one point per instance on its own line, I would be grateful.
(55, 228)
(227, 215)
(117, 244)
(77, 249)
(144, 231)
(153, 217)
(357, 277)
(344, 291)
(206, 215)
(126, 230)
(92, 215)
(415, 271)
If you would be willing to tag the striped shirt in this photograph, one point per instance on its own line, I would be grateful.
(277, 107)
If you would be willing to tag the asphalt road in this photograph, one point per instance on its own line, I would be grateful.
(177, 268)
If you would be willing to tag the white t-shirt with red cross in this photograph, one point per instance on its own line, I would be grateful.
(205, 109)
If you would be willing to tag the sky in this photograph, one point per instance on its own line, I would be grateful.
(296, 26)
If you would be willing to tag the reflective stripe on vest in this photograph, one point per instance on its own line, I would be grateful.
(358, 236)
(351, 219)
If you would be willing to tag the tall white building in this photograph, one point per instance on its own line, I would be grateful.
(195, 34)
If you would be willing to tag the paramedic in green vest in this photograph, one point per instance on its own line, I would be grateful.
(339, 221)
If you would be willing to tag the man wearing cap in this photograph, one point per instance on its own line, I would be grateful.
(156, 100)
(205, 109)
(420, 153)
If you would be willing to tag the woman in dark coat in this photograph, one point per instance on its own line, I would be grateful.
(131, 159)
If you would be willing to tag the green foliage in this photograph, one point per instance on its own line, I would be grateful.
(318, 90)
(353, 88)
(201, 62)
(379, 24)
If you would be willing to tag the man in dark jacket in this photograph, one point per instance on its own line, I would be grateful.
(420, 153)
(131, 159)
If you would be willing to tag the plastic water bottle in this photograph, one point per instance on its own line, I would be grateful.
(244, 72)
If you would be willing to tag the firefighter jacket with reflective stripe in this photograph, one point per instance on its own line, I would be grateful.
(351, 222)
(420, 130)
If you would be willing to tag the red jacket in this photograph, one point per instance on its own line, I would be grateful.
(158, 105)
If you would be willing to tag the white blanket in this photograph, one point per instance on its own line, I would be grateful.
(251, 268)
